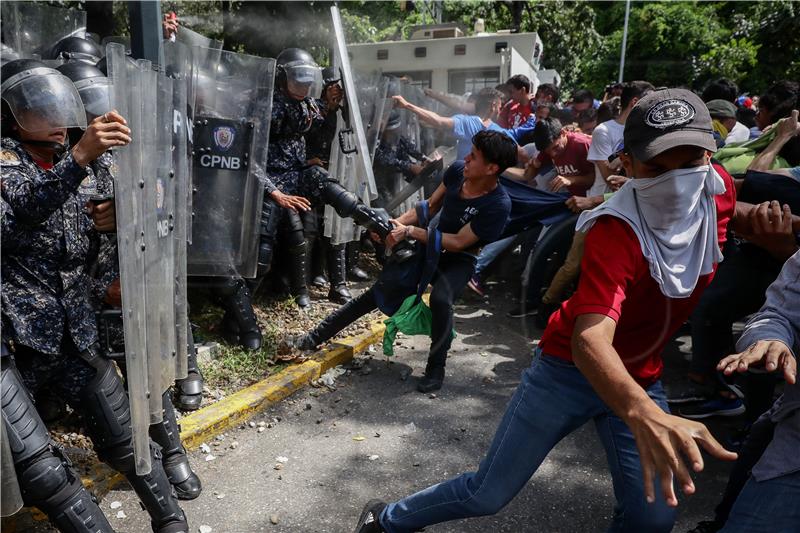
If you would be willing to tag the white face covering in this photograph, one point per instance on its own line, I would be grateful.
(674, 216)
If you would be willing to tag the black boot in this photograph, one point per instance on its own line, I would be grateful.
(189, 390)
(432, 380)
(339, 292)
(354, 272)
(239, 319)
(297, 276)
(319, 262)
(176, 464)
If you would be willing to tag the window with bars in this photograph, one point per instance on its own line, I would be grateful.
(472, 80)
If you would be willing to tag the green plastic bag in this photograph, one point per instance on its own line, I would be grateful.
(413, 318)
(736, 157)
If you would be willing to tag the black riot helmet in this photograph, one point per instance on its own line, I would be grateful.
(38, 98)
(298, 73)
(76, 49)
(93, 87)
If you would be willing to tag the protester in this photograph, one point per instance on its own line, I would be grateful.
(587, 120)
(520, 105)
(600, 357)
(472, 211)
(568, 151)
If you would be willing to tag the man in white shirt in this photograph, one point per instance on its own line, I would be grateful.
(607, 136)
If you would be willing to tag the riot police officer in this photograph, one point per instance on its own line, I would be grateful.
(46, 316)
(293, 186)
(76, 49)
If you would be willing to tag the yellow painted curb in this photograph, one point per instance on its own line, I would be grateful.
(206, 423)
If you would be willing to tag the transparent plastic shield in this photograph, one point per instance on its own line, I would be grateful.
(159, 220)
(178, 66)
(350, 160)
(127, 98)
(43, 99)
(191, 38)
(232, 113)
(33, 28)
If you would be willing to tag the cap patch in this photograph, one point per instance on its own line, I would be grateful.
(669, 113)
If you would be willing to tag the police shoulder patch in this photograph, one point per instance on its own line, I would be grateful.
(9, 158)
(668, 113)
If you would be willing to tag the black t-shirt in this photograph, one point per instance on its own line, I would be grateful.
(487, 214)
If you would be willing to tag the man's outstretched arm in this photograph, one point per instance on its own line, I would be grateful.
(660, 437)
(425, 115)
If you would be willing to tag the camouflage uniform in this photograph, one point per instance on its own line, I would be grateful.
(292, 121)
(45, 302)
(398, 156)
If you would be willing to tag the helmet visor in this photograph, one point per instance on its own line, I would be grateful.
(304, 80)
(44, 100)
(96, 96)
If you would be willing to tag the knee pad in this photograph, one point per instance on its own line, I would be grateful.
(265, 251)
(42, 477)
(105, 409)
(294, 230)
(310, 223)
(27, 435)
(271, 214)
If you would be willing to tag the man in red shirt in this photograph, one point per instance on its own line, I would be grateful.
(520, 105)
(568, 151)
(650, 251)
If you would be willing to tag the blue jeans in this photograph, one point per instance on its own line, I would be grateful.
(769, 506)
(552, 401)
(490, 252)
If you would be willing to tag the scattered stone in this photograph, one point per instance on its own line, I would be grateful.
(261, 429)
(415, 464)
(282, 459)
(262, 424)
(270, 425)
(359, 438)
(273, 519)
(251, 424)
(121, 514)
(205, 529)
(280, 478)
(210, 457)
(220, 496)
(205, 448)
(371, 348)
(432, 396)
(220, 437)
(319, 421)
(308, 406)
(234, 445)
(116, 505)
(373, 457)
(278, 466)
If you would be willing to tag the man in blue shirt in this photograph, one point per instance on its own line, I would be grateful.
(471, 209)
(464, 127)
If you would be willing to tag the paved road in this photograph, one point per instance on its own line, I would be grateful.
(409, 442)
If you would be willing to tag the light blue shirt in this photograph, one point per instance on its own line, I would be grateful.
(464, 128)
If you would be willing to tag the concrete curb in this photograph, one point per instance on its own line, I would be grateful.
(204, 424)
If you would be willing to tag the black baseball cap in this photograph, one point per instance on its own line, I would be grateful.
(665, 119)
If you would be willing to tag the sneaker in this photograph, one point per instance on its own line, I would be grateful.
(717, 407)
(474, 283)
(432, 380)
(522, 310)
(368, 522)
(695, 393)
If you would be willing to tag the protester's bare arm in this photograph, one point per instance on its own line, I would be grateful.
(452, 101)
(768, 225)
(606, 169)
(581, 180)
(425, 115)
(662, 439)
(786, 129)
(516, 174)
(452, 242)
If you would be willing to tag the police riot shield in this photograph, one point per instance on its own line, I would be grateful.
(145, 207)
(232, 113)
(33, 28)
(127, 78)
(159, 218)
(178, 66)
(191, 38)
(350, 160)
